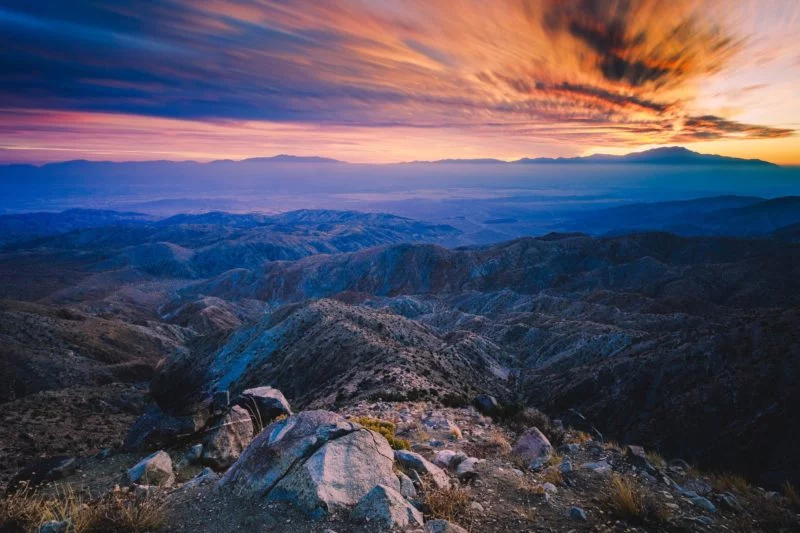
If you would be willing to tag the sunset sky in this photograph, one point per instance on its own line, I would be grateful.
(396, 80)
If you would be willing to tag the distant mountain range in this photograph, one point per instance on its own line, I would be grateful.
(658, 156)
(673, 155)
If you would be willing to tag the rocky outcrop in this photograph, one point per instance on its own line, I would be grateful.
(264, 403)
(414, 462)
(228, 439)
(316, 460)
(155, 469)
(533, 449)
(156, 429)
(384, 507)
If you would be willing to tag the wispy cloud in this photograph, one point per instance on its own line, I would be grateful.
(596, 72)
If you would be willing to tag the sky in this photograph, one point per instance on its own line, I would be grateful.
(396, 80)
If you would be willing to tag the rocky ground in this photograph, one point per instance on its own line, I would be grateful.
(481, 473)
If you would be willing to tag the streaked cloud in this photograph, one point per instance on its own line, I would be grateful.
(553, 75)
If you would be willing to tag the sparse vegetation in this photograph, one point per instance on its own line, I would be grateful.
(630, 501)
(25, 510)
(387, 429)
(656, 459)
(448, 504)
(791, 495)
(519, 418)
(554, 476)
(726, 482)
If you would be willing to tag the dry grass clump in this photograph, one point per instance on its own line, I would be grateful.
(25, 510)
(727, 482)
(528, 489)
(554, 476)
(790, 493)
(494, 445)
(385, 428)
(633, 502)
(448, 504)
(656, 459)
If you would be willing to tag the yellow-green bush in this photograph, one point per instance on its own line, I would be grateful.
(385, 428)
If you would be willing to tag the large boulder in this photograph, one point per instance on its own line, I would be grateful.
(224, 444)
(265, 404)
(410, 461)
(155, 469)
(386, 508)
(486, 404)
(316, 460)
(156, 429)
(533, 449)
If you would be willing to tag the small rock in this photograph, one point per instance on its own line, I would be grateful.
(637, 457)
(385, 507)
(704, 503)
(265, 404)
(226, 442)
(443, 526)
(730, 502)
(467, 469)
(486, 404)
(55, 526)
(407, 488)
(600, 467)
(155, 469)
(569, 448)
(193, 454)
(414, 461)
(550, 488)
(476, 508)
(576, 513)
(533, 449)
(142, 491)
(448, 458)
(205, 477)
(680, 464)
(566, 465)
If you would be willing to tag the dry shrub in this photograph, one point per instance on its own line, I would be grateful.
(528, 489)
(387, 429)
(494, 445)
(727, 482)
(554, 476)
(25, 510)
(791, 495)
(633, 502)
(656, 459)
(448, 504)
(771, 516)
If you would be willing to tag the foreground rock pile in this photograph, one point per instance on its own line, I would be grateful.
(446, 470)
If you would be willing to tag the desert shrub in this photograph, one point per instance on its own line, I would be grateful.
(727, 482)
(554, 476)
(519, 418)
(387, 429)
(656, 459)
(791, 495)
(633, 502)
(771, 516)
(445, 503)
(116, 512)
(494, 445)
